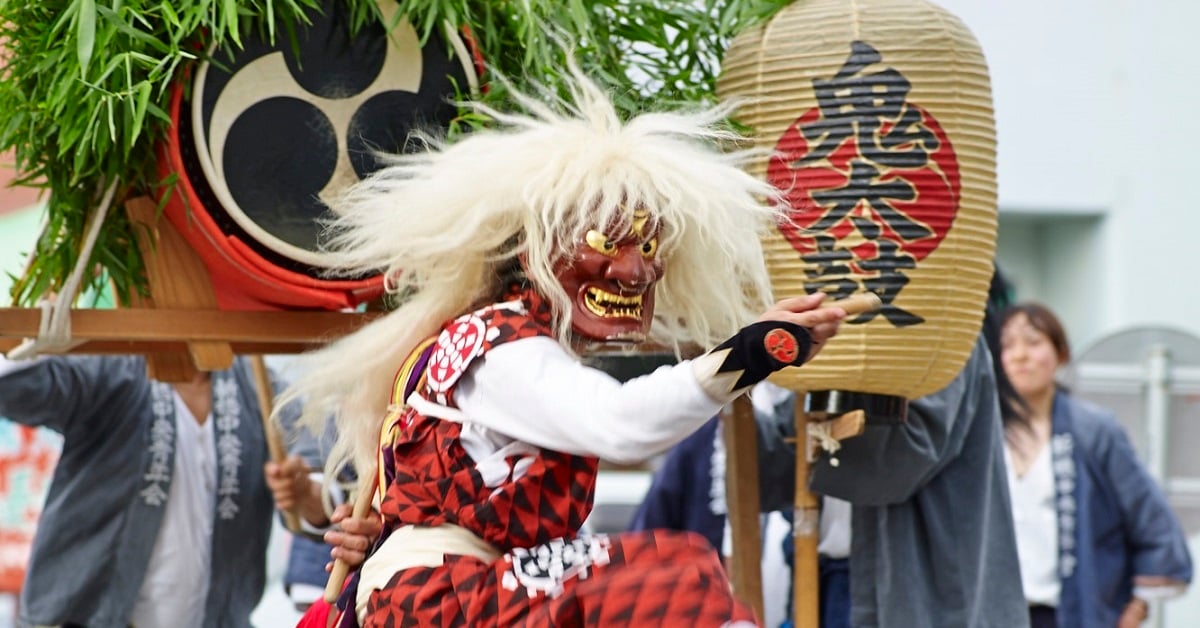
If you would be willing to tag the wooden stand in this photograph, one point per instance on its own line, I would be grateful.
(742, 496)
(742, 501)
(806, 531)
(177, 279)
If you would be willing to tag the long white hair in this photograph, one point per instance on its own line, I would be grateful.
(445, 223)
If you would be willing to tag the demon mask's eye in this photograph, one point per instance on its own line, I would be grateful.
(601, 243)
(650, 248)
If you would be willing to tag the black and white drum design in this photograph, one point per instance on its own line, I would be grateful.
(269, 133)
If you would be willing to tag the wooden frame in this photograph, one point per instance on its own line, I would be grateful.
(179, 326)
(146, 330)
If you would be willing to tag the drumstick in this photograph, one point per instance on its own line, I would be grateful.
(362, 505)
(857, 304)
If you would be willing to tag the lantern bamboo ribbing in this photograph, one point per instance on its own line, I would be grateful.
(929, 60)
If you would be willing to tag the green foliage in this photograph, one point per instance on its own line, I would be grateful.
(85, 85)
(83, 98)
(651, 54)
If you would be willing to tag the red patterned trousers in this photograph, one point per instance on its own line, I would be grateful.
(655, 578)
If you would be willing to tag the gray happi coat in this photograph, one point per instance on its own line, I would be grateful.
(108, 495)
(933, 544)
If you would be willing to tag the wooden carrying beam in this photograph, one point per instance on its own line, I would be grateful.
(165, 329)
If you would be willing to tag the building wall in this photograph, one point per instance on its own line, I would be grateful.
(1094, 119)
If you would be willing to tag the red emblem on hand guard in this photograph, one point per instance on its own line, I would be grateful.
(781, 345)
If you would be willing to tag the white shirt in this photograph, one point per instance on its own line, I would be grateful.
(178, 574)
(1036, 521)
(531, 391)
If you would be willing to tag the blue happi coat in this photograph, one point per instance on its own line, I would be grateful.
(1114, 522)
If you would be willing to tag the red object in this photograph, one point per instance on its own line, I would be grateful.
(317, 615)
(781, 345)
(27, 459)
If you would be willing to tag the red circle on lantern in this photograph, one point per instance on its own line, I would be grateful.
(936, 187)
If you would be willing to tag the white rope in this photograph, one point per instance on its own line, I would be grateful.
(822, 432)
(54, 330)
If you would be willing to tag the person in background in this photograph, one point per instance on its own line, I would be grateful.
(1096, 537)
(158, 514)
(687, 492)
(932, 541)
(297, 489)
(304, 576)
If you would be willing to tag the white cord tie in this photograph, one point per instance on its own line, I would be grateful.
(54, 329)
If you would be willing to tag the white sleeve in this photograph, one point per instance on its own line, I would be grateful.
(532, 390)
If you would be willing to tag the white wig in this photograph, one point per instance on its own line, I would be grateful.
(445, 223)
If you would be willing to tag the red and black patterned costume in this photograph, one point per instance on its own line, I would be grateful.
(547, 574)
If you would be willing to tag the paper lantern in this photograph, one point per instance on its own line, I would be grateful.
(268, 134)
(880, 116)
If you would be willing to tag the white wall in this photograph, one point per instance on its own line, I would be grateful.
(1095, 115)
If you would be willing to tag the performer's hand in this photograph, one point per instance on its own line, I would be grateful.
(353, 537)
(822, 322)
(294, 491)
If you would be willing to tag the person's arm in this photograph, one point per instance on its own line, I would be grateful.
(58, 392)
(889, 463)
(296, 488)
(298, 484)
(1162, 565)
(532, 390)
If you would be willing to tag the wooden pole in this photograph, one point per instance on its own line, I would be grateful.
(806, 518)
(275, 447)
(806, 530)
(743, 501)
(362, 505)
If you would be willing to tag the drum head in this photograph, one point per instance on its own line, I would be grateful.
(271, 133)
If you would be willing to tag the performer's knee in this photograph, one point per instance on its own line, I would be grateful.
(685, 543)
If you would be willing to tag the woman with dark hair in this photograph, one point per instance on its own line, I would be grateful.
(1096, 537)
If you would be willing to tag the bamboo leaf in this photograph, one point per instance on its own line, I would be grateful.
(139, 112)
(231, 22)
(85, 33)
(169, 15)
(111, 17)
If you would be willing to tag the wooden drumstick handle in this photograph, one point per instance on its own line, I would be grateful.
(362, 505)
(275, 446)
(860, 303)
